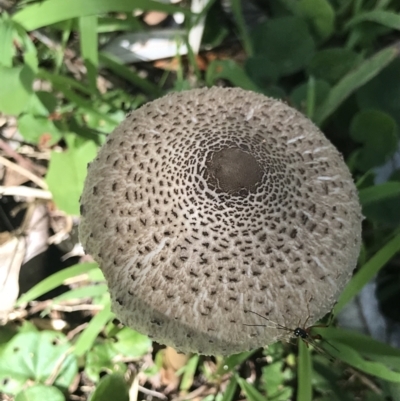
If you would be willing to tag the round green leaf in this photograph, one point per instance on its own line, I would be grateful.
(285, 45)
(112, 387)
(101, 359)
(377, 132)
(34, 128)
(40, 392)
(15, 88)
(321, 16)
(333, 64)
(132, 344)
(42, 103)
(71, 166)
(35, 356)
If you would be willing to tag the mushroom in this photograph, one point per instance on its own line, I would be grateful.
(206, 204)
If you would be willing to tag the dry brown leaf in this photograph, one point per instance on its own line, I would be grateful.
(172, 362)
(17, 248)
(12, 253)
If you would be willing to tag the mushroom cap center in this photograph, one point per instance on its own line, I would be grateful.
(234, 171)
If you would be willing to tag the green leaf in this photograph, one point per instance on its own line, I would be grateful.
(96, 325)
(35, 356)
(283, 46)
(40, 392)
(55, 280)
(89, 51)
(34, 128)
(304, 388)
(15, 88)
(131, 343)
(377, 131)
(333, 63)
(230, 70)
(274, 376)
(368, 271)
(320, 15)
(378, 193)
(42, 104)
(354, 80)
(70, 166)
(388, 19)
(49, 12)
(383, 92)
(111, 387)
(103, 358)
(28, 48)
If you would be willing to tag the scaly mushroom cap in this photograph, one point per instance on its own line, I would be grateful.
(205, 204)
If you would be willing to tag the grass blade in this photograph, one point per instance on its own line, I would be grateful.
(353, 358)
(379, 193)
(189, 371)
(363, 344)
(55, 280)
(115, 65)
(232, 361)
(96, 325)
(49, 12)
(89, 48)
(252, 394)
(304, 388)
(88, 291)
(241, 24)
(230, 70)
(230, 390)
(62, 81)
(385, 18)
(368, 271)
(354, 80)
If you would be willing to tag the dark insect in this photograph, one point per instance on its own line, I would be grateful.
(303, 333)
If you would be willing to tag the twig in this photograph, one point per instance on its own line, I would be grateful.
(200, 391)
(365, 380)
(72, 333)
(133, 389)
(64, 308)
(25, 192)
(23, 171)
(24, 163)
(48, 304)
(153, 393)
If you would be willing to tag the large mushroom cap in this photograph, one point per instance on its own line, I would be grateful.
(205, 204)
